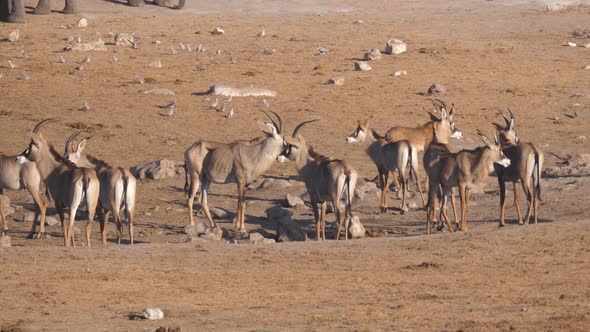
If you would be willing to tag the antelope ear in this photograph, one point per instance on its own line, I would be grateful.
(444, 114)
(451, 111)
(365, 123)
(496, 139)
(512, 124)
(82, 145)
(486, 141)
(433, 117)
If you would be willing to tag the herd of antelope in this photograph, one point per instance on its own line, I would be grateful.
(70, 178)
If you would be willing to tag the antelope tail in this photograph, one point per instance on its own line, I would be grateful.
(125, 179)
(187, 185)
(348, 196)
(538, 167)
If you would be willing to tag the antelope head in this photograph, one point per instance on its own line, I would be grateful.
(497, 155)
(73, 153)
(273, 132)
(444, 126)
(296, 146)
(506, 132)
(37, 146)
(361, 132)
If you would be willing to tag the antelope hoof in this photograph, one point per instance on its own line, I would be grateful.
(382, 210)
(501, 225)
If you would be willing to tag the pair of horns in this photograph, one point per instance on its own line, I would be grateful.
(42, 123)
(278, 125)
(505, 118)
(494, 134)
(301, 125)
(71, 140)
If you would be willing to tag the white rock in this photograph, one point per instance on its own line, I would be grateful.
(572, 44)
(29, 217)
(158, 91)
(152, 313)
(124, 39)
(196, 229)
(395, 46)
(215, 234)
(14, 36)
(294, 201)
(156, 64)
(437, 89)
(373, 55)
(338, 81)
(51, 221)
(362, 66)
(587, 67)
(587, 45)
(82, 23)
(356, 230)
(217, 31)
(400, 73)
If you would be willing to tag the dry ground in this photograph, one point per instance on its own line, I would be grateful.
(489, 55)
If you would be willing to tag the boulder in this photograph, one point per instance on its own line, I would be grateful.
(196, 229)
(338, 81)
(437, 89)
(356, 230)
(152, 313)
(362, 66)
(5, 241)
(294, 201)
(215, 234)
(217, 31)
(395, 46)
(158, 170)
(373, 55)
(51, 220)
(82, 23)
(218, 213)
(287, 229)
(257, 238)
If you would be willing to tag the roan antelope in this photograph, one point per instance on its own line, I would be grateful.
(241, 163)
(464, 169)
(440, 129)
(68, 184)
(117, 188)
(388, 157)
(326, 179)
(526, 162)
(16, 176)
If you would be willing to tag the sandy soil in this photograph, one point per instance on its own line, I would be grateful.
(488, 54)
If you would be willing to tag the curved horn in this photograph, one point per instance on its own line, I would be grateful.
(505, 118)
(301, 125)
(271, 119)
(511, 115)
(70, 140)
(440, 103)
(40, 125)
(280, 128)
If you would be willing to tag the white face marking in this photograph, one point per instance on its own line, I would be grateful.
(458, 135)
(351, 139)
(21, 159)
(282, 159)
(505, 162)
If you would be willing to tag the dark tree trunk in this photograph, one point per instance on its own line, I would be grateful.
(180, 4)
(4, 9)
(71, 7)
(17, 14)
(135, 3)
(43, 8)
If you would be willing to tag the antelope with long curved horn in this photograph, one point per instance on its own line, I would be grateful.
(326, 179)
(17, 176)
(68, 185)
(526, 163)
(117, 188)
(241, 163)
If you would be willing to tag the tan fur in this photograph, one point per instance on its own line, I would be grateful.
(326, 179)
(387, 157)
(68, 184)
(15, 176)
(117, 190)
(526, 163)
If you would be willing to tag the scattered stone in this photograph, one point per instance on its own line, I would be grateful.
(158, 170)
(152, 313)
(356, 230)
(124, 39)
(5, 241)
(14, 36)
(570, 44)
(362, 190)
(395, 46)
(437, 88)
(82, 23)
(156, 64)
(587, 67)
(215, 234)
(322, 51)
(50, 220)
(400, 73)
(257, 238)
(362, 66)
(294, 201)
(158, 91)
(587, 45)
(337, 81)
(576, 166)
(217, 31)
(218, 213)
(86, 47)
(412, 206)
(196, 229)
(29, 217)
(373, 55)
(287, 229)
(227, 91)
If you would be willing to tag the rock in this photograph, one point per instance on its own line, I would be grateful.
(257, 238)
(196, 229)
(337, 81)
(294, 201)
(412, 206)
(356, 230)
(86, 47)
(82, 23)
(214, 234)
(269, 183)
(5, 241)
(152, 313)
(155, 64)
(362, 66)
(570, 44)
(400, 73)
(30, 217)
(14, 36)
(362, 190)
(437, 88)
(395, 46)
(287, 229)
(51, 221)
(587, 67)
(322, 51)
(124, 39)
(576, 166)
(218, 213)
(373, 55)
(158, 91)
(268, 241)
(217, 31)
(157, 170)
